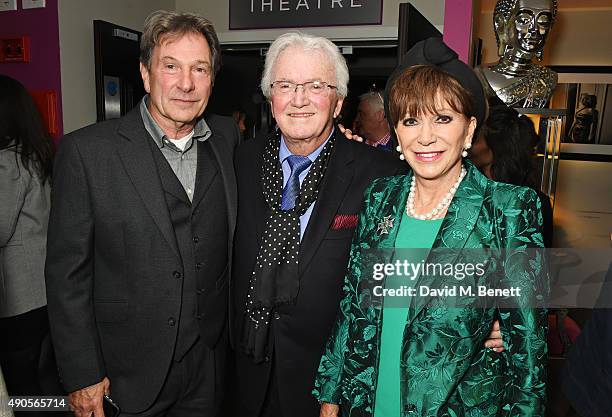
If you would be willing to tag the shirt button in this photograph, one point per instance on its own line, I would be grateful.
(171, 321)
(200, 291)
(189, 191)
(183, 156)
(196, 239)
(199, 265)
(177, 275)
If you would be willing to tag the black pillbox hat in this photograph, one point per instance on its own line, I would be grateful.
(434, 51)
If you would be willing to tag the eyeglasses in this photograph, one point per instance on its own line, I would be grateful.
(311, 87)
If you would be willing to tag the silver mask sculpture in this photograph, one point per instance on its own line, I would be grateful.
(521, 28)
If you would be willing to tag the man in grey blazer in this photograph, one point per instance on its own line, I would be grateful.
(140, 238)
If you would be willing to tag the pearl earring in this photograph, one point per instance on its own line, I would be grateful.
(465, 153)
(399, 149)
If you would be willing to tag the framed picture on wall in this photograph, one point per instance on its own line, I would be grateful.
(586, 93)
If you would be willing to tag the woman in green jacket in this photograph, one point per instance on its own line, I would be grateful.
(425, 356)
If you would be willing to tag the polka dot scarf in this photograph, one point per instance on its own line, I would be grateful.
(275, 279)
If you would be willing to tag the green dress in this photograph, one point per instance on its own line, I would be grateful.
(445, 370)
(413, 233)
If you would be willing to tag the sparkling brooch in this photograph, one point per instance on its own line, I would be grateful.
(384, 225)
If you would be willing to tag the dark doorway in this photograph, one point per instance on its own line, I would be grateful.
(118, 83)
(237, 87)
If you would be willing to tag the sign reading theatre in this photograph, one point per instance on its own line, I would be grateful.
(266, 14)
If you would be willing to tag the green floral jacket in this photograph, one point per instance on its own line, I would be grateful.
(444, 368)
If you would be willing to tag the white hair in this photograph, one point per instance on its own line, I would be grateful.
(374, 99)
(309, 43)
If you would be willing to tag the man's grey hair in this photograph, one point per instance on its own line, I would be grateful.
(163, 23)
(374, 99)
(309, 43)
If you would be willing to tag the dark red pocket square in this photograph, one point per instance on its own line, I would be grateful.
(344, 221)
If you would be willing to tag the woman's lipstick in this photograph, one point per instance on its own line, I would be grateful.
(428, 156)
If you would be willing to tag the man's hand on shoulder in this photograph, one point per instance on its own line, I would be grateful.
(89, 399)
(349, 134)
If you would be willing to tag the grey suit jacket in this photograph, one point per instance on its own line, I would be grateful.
(113, 260)
(24, 213)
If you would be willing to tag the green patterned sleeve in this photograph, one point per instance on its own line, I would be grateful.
(523, 325)
(327, 387)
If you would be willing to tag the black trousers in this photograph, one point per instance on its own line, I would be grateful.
(194, 385)
(26, 357)
(20, 347)
(271, 406)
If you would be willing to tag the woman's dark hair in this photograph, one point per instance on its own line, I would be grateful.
(512, 139)
(21, 128)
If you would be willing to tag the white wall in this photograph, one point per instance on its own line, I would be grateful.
(580, 36)
(77, 49)
(218, 14)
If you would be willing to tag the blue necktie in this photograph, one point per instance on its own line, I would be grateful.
(298, 164)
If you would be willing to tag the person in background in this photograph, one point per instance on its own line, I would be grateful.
(371, 123)
(586, 374)
(505, 152)
(26, 158)
(239, 117)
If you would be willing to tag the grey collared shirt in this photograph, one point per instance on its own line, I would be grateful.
(184, 162)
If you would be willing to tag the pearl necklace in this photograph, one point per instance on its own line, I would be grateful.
(442, 205)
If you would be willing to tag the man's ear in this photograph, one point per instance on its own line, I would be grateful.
(338, 107)
(271, 108)
(380, 115)
(144, 73)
